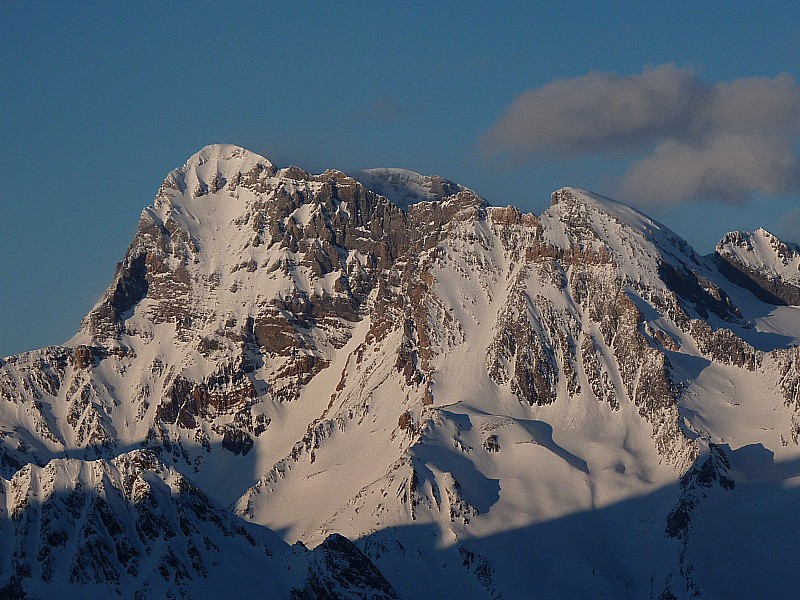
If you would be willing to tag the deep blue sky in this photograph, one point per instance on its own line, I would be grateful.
(100, 101)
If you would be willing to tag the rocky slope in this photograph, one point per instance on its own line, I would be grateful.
(475, 396)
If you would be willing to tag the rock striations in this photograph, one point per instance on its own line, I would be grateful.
(443, 398)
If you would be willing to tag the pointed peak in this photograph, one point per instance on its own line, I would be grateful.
(580, 218)
(571, 199)
(574, 195)
(761, 232)
(207, 170)
(225, 159)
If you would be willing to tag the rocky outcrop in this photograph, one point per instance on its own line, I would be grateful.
(724, 346)
(522, 344)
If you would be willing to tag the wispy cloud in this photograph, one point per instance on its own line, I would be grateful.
(688, 138)
(383, 109)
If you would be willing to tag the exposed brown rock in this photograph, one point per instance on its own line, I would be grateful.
(491, 444)
(406, 422)
(83, 358)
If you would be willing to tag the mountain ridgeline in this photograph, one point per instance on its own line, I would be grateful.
(382, 386)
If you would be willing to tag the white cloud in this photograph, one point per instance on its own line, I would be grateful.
(688, 139)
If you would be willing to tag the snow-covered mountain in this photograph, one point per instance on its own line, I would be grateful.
(485, 402)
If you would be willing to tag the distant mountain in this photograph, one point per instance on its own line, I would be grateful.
(763, 264)
(404, 187)
(486, 403)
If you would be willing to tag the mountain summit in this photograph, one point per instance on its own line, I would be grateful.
(443, 398)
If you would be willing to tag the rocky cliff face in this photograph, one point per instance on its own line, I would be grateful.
(325, 360)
